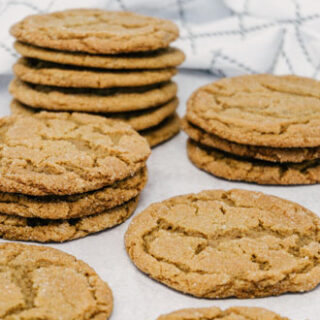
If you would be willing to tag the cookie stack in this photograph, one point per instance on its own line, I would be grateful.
(64, 176)
(257, 128)
(115, 64)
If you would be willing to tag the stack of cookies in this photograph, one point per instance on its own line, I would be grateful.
(64, 176)
(115, 64)
(257, 128)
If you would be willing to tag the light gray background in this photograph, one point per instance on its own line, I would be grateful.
(136, 297)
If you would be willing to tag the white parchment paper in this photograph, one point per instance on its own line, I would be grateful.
(137, 297)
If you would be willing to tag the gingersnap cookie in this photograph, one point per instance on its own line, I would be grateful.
(62, 154)
(249, 151)
(230, 167)
(218, 244)
(44, 283)
(163, 131)
(159, 59)
(139, 120)
(96, 31)
(44, 230)
(214, 313)
(51, 74)
(73, 206)
(262, 110)
(92, 100)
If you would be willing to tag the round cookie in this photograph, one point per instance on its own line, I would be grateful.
(51, 74)
(263, 110)
(162, 132)
(74, 206)
(42, 230)
(227, 166)
(92, 100)
(96, 31)
(44, 283)
(218, 244)
(160, 59)
(214, 313)
(138, 120)
(249, 151)
(62, 154)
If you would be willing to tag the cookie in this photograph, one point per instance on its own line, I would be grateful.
(62, 154)
(159, 59)
(213, 313)
(263, 110)
(249, 151)
(73, 206)
(162, 132)
(96, 31)
(42, 230)
(139, 120)
(227, 166)
(45, 283)
(92, 100)
(218, 244)
(48, 73)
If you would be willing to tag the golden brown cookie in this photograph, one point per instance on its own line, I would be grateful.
(139, 120)
(249, 151)
(92, 100)
(163, 131)
(230, 167)
(44, 283)
(42, 230)
(62, 154)
(159, 59)
(263, 110)
(234, 313)
(51, 74)
(218, 244)
(96, 31)
(73, 206)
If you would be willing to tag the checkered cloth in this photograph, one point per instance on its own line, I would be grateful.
(226, 37)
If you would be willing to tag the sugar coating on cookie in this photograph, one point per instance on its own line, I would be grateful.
(63, 154)
(219, 243)
(45, 283)
(96, 31)
(263, 110)
(214, 313)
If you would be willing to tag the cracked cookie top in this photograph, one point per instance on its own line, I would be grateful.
(45, 283)
(235, 313)
(227, 243)
(96, 31)
(264, 110)
(61, 154)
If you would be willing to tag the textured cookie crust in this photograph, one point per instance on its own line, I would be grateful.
(92, 100)
(227, 166)
(249, 151)
(162, 132)
(264, 110)
(138, 120)
(44, 283)
(74, 206)
(62, 154)
(163, 58)
(51, 74)
(227, 243)
(96, 31)
(235, 313)
(42, 230)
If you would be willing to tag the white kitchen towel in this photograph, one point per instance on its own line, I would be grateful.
(226, 37)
